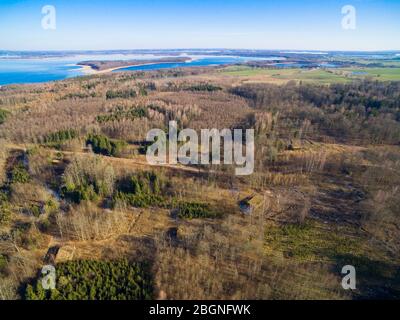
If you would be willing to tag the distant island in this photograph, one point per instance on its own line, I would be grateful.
(108, 66)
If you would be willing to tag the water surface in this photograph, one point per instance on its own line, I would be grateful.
(14, 69)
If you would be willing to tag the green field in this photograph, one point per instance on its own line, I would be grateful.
(383, 62)
(383, 74)
(316, 75)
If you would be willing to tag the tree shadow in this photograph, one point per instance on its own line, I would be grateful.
(375, 279)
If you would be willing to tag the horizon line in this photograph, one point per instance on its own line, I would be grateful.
(200, 49)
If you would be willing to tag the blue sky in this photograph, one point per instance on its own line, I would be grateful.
(151, 24)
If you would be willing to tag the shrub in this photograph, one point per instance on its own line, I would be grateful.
(26, 235)
(144, 182)
(142, 190)
(35, 210)
(89, 222)
(32, 197)
(3, 263)
(19, 174)
(51, 206)
(96, 280)
(5, 213)
(3, 115)
(40, 164)
(87, 179)
(79, 193)
(195, 210)
(3, 160)
(105, 146)
(142, 90)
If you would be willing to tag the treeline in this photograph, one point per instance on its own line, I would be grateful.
(141, 90)
(124, 94)
(79, 95)
(120, 113)
(208, 87)
(61, 136)
(366, 111)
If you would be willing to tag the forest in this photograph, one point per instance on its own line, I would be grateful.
(77, 192)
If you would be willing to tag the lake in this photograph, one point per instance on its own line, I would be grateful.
(14, 70)
(195, 62)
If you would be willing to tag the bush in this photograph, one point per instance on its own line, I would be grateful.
(87, 179)
(5, 212)
(142, 90)
(143, 182)
(195, 210)
(87, 222)
(80, 193)
(142, 190)
(51, 206)
(27, 236)
(19, 174)
(105, 146)
(3, 115)
(3, 263)
(35, 210)
(96, 280)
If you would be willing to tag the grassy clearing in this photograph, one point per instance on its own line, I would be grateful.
(366, 62)
(314, 242)
(382, 74)
(316, 75)
(313, 75)
(311, 241)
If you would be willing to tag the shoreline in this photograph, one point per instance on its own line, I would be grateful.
(89, 70)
